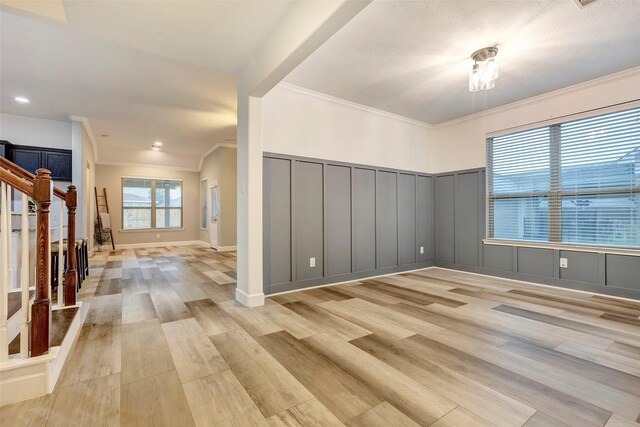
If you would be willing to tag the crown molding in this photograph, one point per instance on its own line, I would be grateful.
(350, 104)
(547, 95)
(214, 148)
(178, 168)
(87, 127)
(498, 109)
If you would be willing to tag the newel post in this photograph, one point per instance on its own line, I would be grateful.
(40, 310)
(71, 277)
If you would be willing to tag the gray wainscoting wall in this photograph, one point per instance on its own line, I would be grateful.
(356, 221)
(460, 229)
(360, 221)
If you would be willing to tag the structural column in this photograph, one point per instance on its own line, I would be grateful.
(249, 290)
(77, 168)
(306, 26)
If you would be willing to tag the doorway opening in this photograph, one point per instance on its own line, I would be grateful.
(214, 215)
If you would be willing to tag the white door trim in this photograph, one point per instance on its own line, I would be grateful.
(212, 185)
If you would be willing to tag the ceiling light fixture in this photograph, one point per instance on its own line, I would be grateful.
(158, 143)
(485, 69)
(22, 99)
(154, 148)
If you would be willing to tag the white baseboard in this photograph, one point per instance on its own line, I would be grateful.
(56, 365)
(158, 244)
(23, 379)
(225, 248)
(253, 300)
(326, 285)
(220, 248)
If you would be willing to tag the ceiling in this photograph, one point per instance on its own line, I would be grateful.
(165, 70)
(138, 71)
(412, 57)
(220, 35)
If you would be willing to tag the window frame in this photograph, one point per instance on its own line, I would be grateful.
(153, 208)
(555, 193)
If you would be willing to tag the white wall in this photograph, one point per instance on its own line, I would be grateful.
(304, 123)
(461, 144)
(77, 130)
(221, 167)
(88, 181)
(22, 130)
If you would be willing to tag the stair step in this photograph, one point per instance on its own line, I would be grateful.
(15, 301)
(61, 320)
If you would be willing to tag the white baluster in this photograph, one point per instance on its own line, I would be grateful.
(5, 225)
(11, 285)
(24, 279)
(60, 255)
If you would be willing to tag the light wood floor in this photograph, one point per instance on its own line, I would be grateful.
(164, 344)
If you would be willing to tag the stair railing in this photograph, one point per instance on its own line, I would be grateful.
(40, 189)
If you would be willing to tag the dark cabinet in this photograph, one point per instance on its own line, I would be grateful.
(4, 149)
(58, 161)
(28, 159)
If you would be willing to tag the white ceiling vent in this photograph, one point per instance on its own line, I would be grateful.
(583, 3)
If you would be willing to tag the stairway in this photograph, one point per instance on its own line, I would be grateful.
(35, 335)
(14, 313)
(61, 320)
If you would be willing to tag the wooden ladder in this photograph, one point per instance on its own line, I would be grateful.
(103, 208)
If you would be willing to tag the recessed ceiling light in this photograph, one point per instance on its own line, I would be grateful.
(22, 99)
(158, 143)
(154, 148)
(104, 135)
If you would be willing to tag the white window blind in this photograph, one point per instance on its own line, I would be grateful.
(573, 183)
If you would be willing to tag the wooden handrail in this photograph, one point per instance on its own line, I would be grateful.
(16, 182)
(39, 187)
(26, 175)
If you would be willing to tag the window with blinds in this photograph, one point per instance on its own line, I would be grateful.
(572, 183)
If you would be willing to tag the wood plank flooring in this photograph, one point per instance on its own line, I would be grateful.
(165, 344)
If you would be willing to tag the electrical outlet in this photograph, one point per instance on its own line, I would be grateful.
(312, 262)
(421, 250)
(563, 263)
